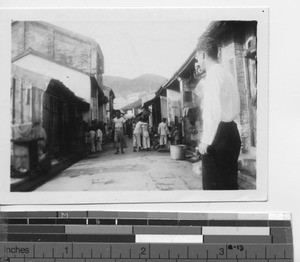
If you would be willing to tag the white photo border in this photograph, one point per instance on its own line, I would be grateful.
(260, 14)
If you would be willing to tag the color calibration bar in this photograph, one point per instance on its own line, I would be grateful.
(114, 236)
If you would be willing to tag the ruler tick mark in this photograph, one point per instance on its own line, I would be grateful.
(265, 251)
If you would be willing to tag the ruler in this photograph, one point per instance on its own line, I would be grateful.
(144, 237)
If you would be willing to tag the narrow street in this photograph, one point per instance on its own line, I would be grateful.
(145, 170)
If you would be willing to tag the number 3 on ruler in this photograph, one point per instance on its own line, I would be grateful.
(221, 251)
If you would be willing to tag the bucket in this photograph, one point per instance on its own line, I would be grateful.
(178, 152)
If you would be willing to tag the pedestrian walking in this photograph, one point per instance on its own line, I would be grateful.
(220, 144)
(163, 132)
(92, 139)
(145, 135)
(137, 132)
(119, 137)
(99, 139)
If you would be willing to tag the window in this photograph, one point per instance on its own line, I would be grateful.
(188, 96)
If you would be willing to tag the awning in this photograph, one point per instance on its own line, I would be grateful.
(57, 88)
(102, 99)
(135, 104)
(185, 71)
(150, 102)
(161, 92)
(217, 28)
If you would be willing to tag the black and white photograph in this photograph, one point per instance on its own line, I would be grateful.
(137, 105)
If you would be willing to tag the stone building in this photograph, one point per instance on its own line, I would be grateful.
(57, 81)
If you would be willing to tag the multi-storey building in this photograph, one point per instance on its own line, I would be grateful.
(57, 81)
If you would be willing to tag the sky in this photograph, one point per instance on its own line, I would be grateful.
(132, 48)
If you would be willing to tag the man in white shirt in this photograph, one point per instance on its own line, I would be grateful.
(119, 133)
(163, 131)
(220, 143)
(137, 132)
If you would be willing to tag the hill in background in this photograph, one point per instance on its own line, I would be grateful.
(123, 87)
(129, 90)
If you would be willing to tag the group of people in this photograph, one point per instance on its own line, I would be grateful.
(144, 136)
(220, 143)
(141, 134)
(94, 138)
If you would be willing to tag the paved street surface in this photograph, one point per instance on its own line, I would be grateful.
(145, 170)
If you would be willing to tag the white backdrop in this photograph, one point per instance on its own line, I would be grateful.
(284, 112)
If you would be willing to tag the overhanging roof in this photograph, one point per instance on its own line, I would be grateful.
(58, 88)
(217, 28)
(151, 101)
(173, 82)
(102, 98)
(135, 104)
(161, 92)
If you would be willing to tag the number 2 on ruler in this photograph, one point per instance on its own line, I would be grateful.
(143, 251)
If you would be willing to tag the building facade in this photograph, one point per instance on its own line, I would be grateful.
(56, 81)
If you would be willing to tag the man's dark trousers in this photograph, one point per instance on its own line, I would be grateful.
(220, 164)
